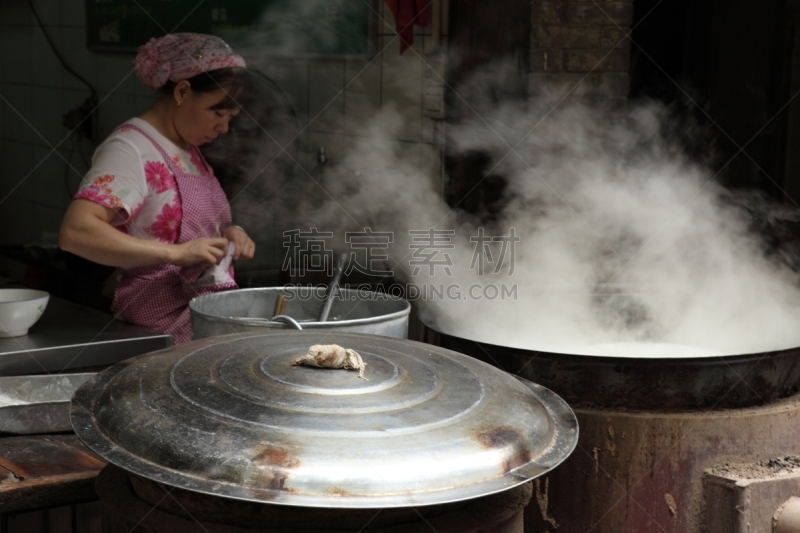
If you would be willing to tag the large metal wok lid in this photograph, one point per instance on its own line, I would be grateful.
(230, 416)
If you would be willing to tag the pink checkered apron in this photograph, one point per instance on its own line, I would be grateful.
(158, 296)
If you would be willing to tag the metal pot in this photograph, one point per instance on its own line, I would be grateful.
(251, 310)
(230, 416)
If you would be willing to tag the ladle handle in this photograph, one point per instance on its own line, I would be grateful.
(333, 288)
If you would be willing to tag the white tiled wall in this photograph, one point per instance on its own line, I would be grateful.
(38, 160)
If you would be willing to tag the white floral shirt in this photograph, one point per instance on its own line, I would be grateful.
(128, 174)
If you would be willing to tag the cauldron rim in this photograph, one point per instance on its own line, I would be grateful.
(662, 384)
(621, 359)
(195, 306)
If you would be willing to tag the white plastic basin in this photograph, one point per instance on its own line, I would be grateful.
(20, 309)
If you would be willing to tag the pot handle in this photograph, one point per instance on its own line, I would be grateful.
(283, 319)
(287, 320)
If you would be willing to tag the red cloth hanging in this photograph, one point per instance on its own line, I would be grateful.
(407, 13)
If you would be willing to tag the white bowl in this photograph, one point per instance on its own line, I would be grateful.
(20, 309)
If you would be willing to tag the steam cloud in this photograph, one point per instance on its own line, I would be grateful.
(623, 239)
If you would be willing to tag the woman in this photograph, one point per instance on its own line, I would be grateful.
(150, 204)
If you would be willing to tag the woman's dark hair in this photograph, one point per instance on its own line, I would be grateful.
(236, 81)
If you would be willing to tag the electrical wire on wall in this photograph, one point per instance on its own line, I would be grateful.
(80, 121)
(68, 166)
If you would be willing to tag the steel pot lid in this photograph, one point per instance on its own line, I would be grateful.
(229, 416)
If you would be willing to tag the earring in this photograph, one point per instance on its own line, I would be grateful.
(178, 103)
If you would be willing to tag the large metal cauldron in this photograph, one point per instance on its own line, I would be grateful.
(250, 310)
(649, 430)
(230, 416)
(682, 383)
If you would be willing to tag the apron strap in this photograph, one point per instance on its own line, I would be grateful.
(208, 169)
(170, 163)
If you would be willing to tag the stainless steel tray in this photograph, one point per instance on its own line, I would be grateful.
(71, 337)
(37, 404)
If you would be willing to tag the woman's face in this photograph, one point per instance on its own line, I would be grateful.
(197, 122)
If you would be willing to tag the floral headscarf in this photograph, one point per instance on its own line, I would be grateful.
(179, 56)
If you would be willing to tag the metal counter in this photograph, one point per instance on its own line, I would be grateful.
(70, 336)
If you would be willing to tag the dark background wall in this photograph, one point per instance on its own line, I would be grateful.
(730, 67)
(727, 69)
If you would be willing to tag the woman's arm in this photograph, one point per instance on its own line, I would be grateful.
(87, 231)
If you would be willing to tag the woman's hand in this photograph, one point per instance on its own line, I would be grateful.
(199, 251)
(245, 248)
